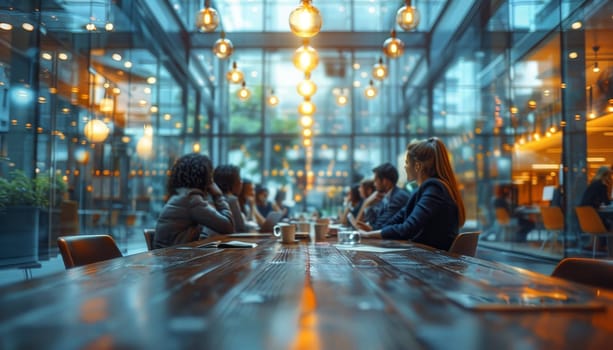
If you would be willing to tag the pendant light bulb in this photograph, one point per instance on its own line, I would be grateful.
(407, 16)
(305, 20)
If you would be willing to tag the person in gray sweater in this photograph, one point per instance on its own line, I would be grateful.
(194, 202)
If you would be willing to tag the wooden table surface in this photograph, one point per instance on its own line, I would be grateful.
(305, 295)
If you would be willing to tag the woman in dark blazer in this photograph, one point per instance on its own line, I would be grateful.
(435, 211)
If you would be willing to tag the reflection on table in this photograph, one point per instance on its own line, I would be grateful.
(378, 295)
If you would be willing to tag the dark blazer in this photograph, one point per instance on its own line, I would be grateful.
(398, 198)
(430, 217)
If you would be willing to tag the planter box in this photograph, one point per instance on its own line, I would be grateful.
(19, 235)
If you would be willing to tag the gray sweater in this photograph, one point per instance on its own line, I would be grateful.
(186, 213)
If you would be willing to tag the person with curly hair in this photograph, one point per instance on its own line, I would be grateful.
(194, 202)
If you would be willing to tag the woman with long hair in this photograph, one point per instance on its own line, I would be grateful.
(435, 212)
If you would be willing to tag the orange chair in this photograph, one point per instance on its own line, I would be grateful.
(87, 249)
(505, 224)
(591, 223)
(553, 222)
(465, 243)
(592, 272)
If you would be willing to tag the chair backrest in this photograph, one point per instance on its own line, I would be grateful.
(148, 233)
(553, 218)
(465, 243)
(589, 220)
(502, 216)
(593, 272)
(87, 249)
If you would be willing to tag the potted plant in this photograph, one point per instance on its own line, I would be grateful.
(25, 211)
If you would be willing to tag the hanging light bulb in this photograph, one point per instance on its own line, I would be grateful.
(306, 58)
(306, 107)
(305, 20)
(207, 19)
(341, 100)
(223, 47)
(272, 100)
(393, 47)
(379, 70)
(370, 91)
(407, 16)
(307, 87)
(235, 76)
(243, 93)
(306, 121)
(96, 131)
(307, 132)
(595, 68)
(81, 156)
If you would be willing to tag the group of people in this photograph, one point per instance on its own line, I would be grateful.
(220, 201)
(431, 214)
(203, 200)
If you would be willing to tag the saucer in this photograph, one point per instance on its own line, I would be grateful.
(281, 241)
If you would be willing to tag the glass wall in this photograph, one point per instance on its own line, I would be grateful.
(99, 98)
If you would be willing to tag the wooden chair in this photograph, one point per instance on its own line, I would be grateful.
(553, 222)
(148, 233)
(87, 249)
(591, 223)
(505, 224)
(465, 243)
(593, 272)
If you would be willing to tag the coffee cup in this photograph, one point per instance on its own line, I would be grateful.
(321, 231)
(303, 227)
(287, 232)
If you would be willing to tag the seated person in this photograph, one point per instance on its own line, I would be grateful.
(279, 202)
(385, 202)
(262, 204)
(189, 209)
(598, 192)
(435, 212)
(351, 204)
(228, 178)
(246, 199)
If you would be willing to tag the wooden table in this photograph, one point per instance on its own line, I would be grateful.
(305, 295)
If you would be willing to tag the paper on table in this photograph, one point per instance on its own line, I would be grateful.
(229, 244)
(249, 234)
(369, 248)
